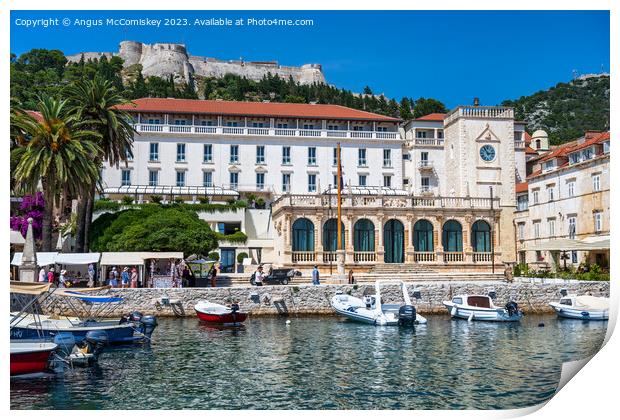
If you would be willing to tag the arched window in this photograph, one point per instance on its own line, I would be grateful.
(452, 236)
(364, 236)
(330, 235)
(423, 236)
(481, 236)
(394, 241)
(303, 235)
(538, 144)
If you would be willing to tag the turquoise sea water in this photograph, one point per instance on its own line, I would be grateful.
(324, 363)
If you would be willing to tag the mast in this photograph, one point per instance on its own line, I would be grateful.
(339, 236)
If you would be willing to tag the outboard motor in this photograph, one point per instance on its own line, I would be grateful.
(369, 301)
(135, 316)
(96, 341)
(149, 323)
(406, 315)
(512, 308)
(234, 308)
(65, 342)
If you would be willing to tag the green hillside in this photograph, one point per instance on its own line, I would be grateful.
(566, 110)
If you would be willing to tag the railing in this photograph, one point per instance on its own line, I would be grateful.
(364, 256)
(452, 257)
(330, 256)
(383, 201)
(425, 164)
(482, 257)
(268, 131)
(420, 256)
(428, 142)
(479, 112)
(519, 144)
(304, 256)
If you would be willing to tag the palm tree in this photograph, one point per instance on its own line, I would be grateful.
(97, 101)
(54, 152)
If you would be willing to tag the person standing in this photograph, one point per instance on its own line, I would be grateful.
(50, 275)
(63, 280)
(91, 275)
(315, 276)
(112, 278)
(351, 278)
(42, 275)
(125, 278)
(213, 275)
(258, 276)
(134, 278)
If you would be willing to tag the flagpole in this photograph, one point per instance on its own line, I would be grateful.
(339, 251)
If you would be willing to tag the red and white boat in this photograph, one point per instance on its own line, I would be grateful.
(214, 313)
(30, 357)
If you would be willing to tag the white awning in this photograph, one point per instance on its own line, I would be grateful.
(164, 189)
(43, 258)
(17, 238)
(135, 258)
(78, 258)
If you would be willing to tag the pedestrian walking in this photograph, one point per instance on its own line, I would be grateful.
(134, 278)
(112, 281)
(42, 275)
(315, 276)
(258, 276)
(62, 282)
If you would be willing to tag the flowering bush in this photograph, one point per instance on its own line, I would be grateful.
(31, 206)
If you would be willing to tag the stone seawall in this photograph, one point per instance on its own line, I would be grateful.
(309, 299)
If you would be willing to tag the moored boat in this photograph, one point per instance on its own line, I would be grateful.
(214, 313)
(582, 307)
(371, 310)
(482, 308)
(30, 357)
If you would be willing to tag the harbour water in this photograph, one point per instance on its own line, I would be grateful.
(325, 363)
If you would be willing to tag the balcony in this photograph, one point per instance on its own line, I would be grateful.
(421, 257)
(425, 165)
(479, 112)
(364, 256)
(482, 257)
(260, 131)
(428, 142)
(519, 144)
(451, 257)
(303, 256)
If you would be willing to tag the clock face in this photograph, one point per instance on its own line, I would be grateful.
(487, 153)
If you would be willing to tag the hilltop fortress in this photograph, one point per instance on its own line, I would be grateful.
(165, 59)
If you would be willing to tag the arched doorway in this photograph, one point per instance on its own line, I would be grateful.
(364, 236)
(423, 236)
(303, 235)
(481, 236)
(394, 241)
(452, 236)
(330, 235)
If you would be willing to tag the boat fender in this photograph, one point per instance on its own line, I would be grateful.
(471, 317)
(585, 314)
(454, 311)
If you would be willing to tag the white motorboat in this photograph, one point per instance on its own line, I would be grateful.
(370, 310)
(582, 307)
(482, 308)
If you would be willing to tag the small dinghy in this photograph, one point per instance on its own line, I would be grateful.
(582, 307)
(370, 310)
(30, 357)
(214, 313)
(482, 308)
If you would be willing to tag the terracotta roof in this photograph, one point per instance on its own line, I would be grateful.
(535, 173)
(521, 187)
(530, 151)
(598, 138)
(432, 117)
(528, 138)
(252, 109)
(559, 151)
(573, 146)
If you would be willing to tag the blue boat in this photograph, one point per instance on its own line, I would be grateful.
(128, 329)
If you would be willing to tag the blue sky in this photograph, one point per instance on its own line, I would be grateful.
(451, 56)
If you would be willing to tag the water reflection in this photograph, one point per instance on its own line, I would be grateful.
(324, 363)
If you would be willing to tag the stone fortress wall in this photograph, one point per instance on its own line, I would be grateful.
(163, 59)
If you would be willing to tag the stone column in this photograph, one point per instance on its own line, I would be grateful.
(409, 256)
(318, 227)
(28, 267)
(379, 234)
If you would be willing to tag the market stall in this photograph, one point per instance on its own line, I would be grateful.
(152, 267)
(77, 266)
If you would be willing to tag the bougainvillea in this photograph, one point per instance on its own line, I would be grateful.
(31, 206)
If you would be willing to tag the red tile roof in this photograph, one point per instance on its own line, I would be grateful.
(595, 139)
(521, 187)
(252, 109)
(530, 151)
(573, 146)
(528, 138)
(432, 117)
(559, 151)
